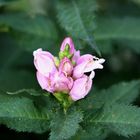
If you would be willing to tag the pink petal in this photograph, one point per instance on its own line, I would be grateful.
(79, 70)
(44, 62)
(66, 66)
(80, 88)
(86, 63)
(61, 83)
(44, 82)
(84, 58)
(76, 56)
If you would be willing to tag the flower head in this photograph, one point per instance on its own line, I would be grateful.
(66, 74)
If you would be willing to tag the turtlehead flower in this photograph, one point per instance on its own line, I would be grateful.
(66, 74)
(87, 63)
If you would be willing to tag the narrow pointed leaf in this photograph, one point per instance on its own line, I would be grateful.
(77, 18)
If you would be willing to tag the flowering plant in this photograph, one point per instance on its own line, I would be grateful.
(66, 74)
(58, 97)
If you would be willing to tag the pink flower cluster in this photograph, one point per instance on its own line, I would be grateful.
(66, 73)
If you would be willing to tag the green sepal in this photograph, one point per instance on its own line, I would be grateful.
(67, 48)
(64, 99)
(61, 55)
(65, 53)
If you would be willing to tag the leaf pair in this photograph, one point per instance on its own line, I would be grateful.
(99, 114)
(109, 110)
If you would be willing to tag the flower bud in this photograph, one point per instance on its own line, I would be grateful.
(67, 45)
(66, 66)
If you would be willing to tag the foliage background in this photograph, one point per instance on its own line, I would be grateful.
(106, 28)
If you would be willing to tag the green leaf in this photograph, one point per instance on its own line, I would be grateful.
(122, 119)
(5, 2)
(77, 18)
(31, 7)
(37, 25)
(90, 133)
(124, 92)
(118, 28)
(65, 126)
(19, 113)
(124, 31)
(32, 42)
(30, 32)
(136, 1)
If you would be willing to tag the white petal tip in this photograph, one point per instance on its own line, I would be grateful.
(36, 51)
(92, 75)
(101, 60)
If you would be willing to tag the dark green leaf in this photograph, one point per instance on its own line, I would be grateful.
(124, 92)
(77, 18)
(118, 28)
(122, 119)
(65, 126)
(19, 113)
(30, 32)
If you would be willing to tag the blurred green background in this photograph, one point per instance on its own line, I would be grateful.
(109, 26)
